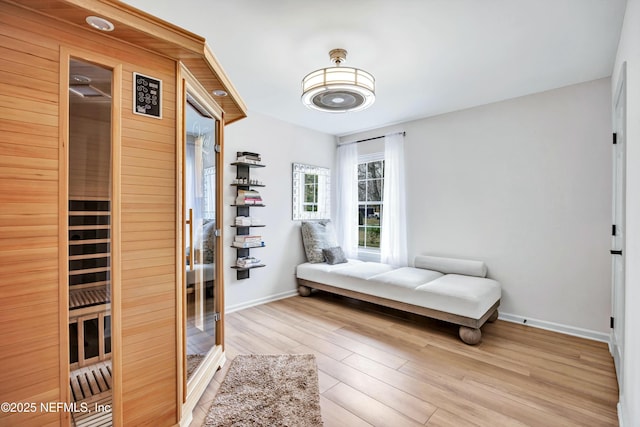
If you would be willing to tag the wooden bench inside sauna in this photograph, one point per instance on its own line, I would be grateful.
(90, 305)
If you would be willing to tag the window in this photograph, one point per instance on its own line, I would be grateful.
(370, 203)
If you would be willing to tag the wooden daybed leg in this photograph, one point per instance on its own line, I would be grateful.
(304, 291)
(493, 317)
(470, 336)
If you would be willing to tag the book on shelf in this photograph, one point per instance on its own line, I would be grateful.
(248, 197)
(245, 245)
(248, 161)
(247, 238)
(247, 202)
(246, 156)
(247, 153)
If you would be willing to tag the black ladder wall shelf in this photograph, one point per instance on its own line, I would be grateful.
(244, 182)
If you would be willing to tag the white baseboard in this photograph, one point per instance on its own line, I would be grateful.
(556, 327)
(620, 416)
(259, 301)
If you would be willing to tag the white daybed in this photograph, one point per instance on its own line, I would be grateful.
(452, 290)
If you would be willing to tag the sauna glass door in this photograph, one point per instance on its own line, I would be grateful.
(89, 227)
(200, 168)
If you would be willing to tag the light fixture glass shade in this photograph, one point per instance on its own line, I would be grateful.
(338, 89)
(100, 23)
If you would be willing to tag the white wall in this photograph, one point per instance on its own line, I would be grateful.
(629, 52)
(280, 145)
(524, 185)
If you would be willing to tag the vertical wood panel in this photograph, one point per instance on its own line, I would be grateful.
(63, 244)
(29, 294)
(149, 351)
(116, 247)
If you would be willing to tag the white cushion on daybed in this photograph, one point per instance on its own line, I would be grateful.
(351, 275)
(364, 270)
(464, 295)
(407, 277)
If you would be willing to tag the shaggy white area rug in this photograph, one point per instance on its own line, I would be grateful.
(268, 390)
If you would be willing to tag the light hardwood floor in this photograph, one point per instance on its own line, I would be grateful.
(381, 368)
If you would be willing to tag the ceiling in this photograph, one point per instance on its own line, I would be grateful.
(428, 56)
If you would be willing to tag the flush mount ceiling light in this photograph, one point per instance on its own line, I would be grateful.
(100, 23)
(220, 92)
(338, 89)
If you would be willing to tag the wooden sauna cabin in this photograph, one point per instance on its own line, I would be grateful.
(111, 295)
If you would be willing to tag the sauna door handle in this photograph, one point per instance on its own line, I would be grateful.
(191, 249)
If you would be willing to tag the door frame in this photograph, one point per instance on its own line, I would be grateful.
(618, 241)
(190, 392)
(66, 54)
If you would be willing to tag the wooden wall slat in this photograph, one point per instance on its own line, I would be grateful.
(150, 154)
(143, 236)
(28, 105)
(28, 191)
(149, 181)
(146, 282)
(138, 273)
(23, 268)
(147, 172)
(147, 135)
(36, 209)
(25, 285)
(28, 231)
(31, 363)
(156, 254)
(33, 131)
(130, 123)
(146, 145)
(8, 173)
(10, 87)
(145, 264)
(40, 74)
(26, 117)
(28, 243)
(28, 59)
(163, 288)
(9, 148)
(14, 256)
(141, 162)
(23, 164)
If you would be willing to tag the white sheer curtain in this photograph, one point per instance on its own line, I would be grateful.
(346, 210)
(393, 239)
